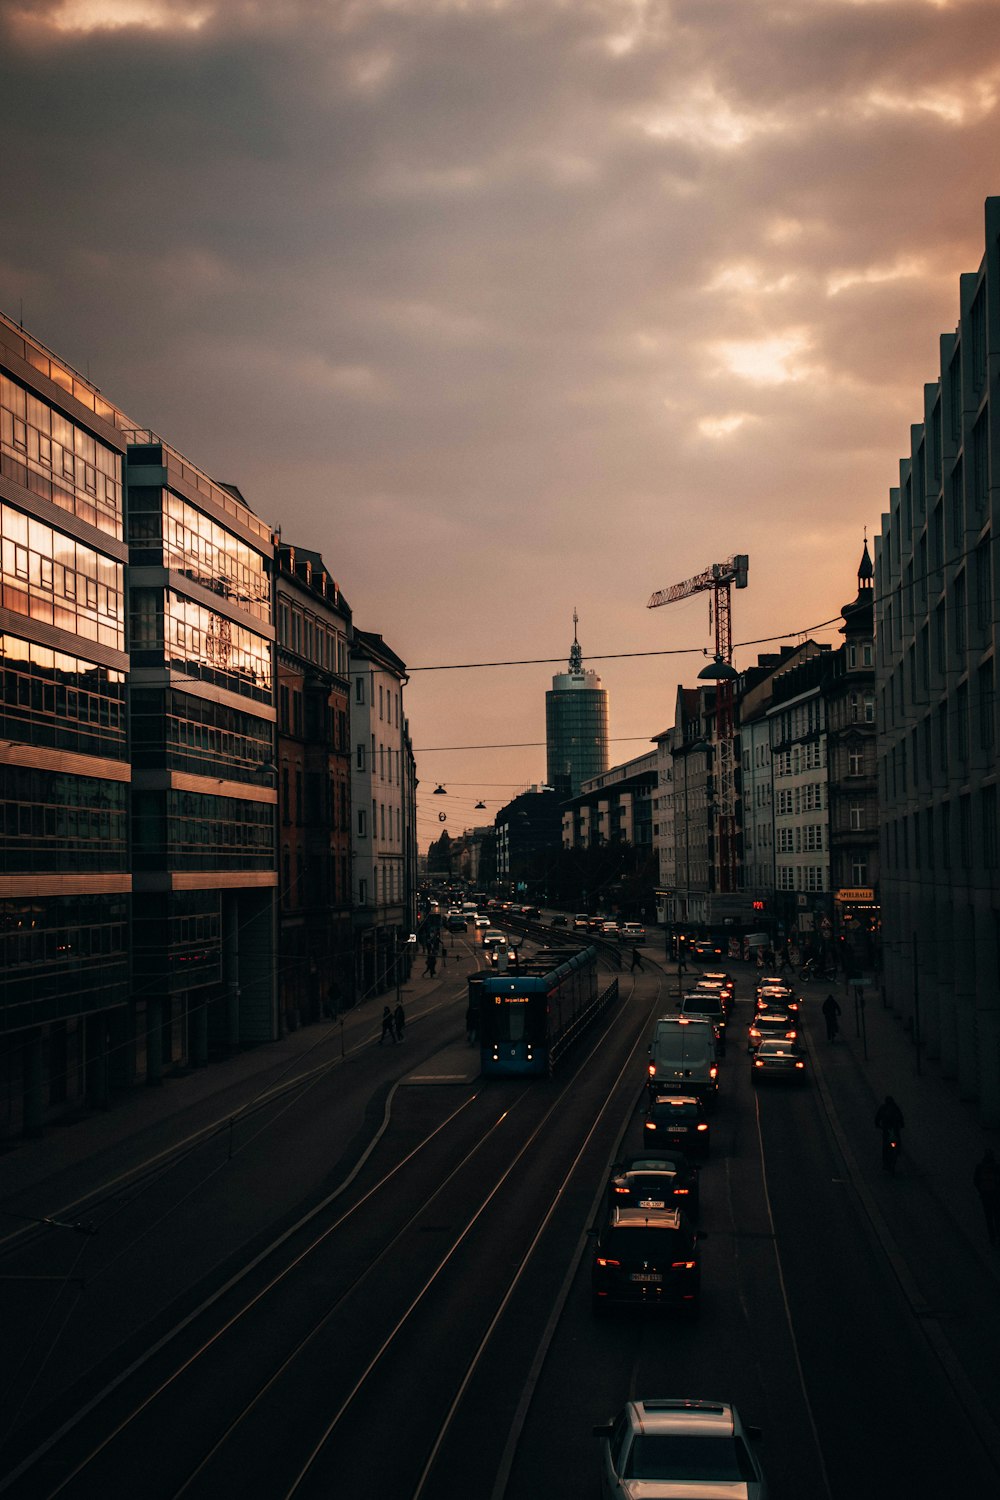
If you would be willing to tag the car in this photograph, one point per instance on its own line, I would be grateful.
(633, 932)
(707, 1003)
(494, 938)
(581, 921)
(725, 982)
(771, 1025)
(559, 920)
(481, 921)
(647, 1256)
(705, 949)
(455, 922)
(609, 929)
(657, 1179)
(677, 1121)
(776, 1060)
(679, 1447)
(770, 998)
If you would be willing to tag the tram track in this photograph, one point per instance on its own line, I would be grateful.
(298, 1245)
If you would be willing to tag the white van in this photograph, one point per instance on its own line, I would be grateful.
(682, 1058)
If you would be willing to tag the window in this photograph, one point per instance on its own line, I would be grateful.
(360, 757)
(856, 815)
(362, 892)
(855, 760)
(362, 824)
(359, 689)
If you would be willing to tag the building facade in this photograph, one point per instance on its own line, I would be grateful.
(316, 944)
(381, 782)
(64, 773)
(936, 614)
(576, 726)
(202, 718)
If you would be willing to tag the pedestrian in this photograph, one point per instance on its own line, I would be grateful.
(387, 1026)
(986, 1180)
(785, 964)
(444, 955)
(831, 1010)
(399, 1020)
(430, 967)
(636, 961)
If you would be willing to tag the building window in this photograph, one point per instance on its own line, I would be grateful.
(359, 689)
(855, 761)
(362, 892)
(856, 815)
(362, 823)
(360, 757)
(859, 869)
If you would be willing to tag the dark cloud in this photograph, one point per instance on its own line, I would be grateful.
(511, 307)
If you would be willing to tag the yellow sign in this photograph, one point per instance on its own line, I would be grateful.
(861, 895)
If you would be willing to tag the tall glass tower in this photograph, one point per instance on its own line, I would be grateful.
(576, 725)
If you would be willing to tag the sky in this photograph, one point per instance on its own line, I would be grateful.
(514, 307)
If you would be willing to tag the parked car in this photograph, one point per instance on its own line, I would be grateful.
(648, 1256)
(679, 1448)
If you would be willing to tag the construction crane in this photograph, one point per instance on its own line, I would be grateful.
(720, 578)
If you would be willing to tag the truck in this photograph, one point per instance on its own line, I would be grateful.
(682, 1058)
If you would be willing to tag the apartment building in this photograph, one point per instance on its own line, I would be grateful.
(936, 613)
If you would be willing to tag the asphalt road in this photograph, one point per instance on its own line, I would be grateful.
(423, 1329)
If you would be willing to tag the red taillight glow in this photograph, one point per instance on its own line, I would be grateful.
(650, 1124)
(800, 1064)
(621, 1189)
(681, 1192)
(684, 1265)
(757, 1063)
(651, 1070)
(603, 1261)
(703, 1127)
(713, 1072)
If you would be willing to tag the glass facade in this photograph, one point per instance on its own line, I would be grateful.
(56, 822)
(180, 830)
(50, 577)
(193, 544)
(198, 642)
(61, 956)
(199, 736)
(65, 702)
(46, 453)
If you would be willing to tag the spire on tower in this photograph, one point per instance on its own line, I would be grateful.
(575, 655)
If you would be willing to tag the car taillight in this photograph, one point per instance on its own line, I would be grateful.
(703, 1127)
(621, 1189)
(757, 1063)
(681, 1192)
(650, 1124)
(651, 1070)
(713, 1072)
(684, 1265)
(604, 1261)
(800, 1064)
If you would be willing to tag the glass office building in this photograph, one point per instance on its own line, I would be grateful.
(203, 735)
(576, 726)
(64, 773)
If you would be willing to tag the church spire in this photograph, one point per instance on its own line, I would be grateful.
(575, 655)
(866, 569)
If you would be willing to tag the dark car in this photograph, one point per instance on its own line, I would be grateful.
(776, 1061)
(647, 1256)
(560, 921)
(678, 1121)
(726, 985)
(661, 1179)
(771, 1025)
(772, 997)
(455, 922)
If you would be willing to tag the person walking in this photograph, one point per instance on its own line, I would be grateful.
(831, 1011)
(399, 1020)
(636, 961)
(388, 1030)
(986, 1180)
(431, 964)
(889, 1119)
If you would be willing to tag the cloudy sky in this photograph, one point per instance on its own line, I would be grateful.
(514, 306)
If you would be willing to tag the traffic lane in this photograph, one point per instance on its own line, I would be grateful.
(880, 1397)
(741, 1348)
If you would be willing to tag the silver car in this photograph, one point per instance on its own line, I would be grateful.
(778, 1061)
(666, 1449)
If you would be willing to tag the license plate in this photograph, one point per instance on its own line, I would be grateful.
(652, 1203)
(676, 1129)
(651, 1276)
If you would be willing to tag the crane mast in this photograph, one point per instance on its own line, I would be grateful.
(720, 579)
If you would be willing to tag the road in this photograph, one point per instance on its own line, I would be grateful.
(377, 1282)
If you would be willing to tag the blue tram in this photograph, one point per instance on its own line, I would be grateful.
(527, 1018)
